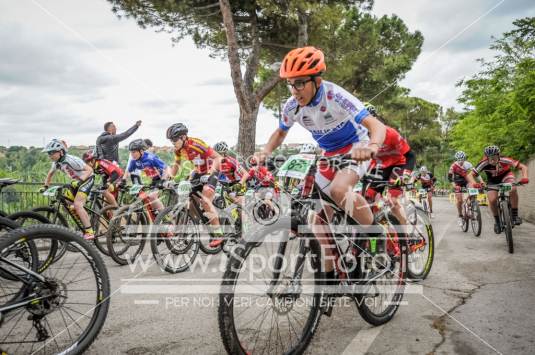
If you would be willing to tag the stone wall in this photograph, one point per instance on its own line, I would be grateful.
(527, 195)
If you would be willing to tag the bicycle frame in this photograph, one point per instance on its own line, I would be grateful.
(18, 303)
(312, 192)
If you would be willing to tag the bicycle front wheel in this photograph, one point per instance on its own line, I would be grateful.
(476, 218)
(175, 240)
(466, 217)
(507, 224)
(275, 309)
(383, 284)
(63, 311)
(126, 234)
(421, 245)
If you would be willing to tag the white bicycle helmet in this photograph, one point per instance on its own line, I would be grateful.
(460, 156)
(55, 145)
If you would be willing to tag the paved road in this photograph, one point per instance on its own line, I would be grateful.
(478, 299)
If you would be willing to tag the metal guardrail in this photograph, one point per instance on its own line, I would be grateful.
(21, 196)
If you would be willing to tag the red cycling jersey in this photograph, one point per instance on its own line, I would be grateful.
(108, 169)
(501, 169)
(230, 170)
(198, 152)
(458, 172)
(427, 180)
(392, 151)
(262, 175)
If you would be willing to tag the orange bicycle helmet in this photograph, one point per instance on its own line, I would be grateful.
(304, 61)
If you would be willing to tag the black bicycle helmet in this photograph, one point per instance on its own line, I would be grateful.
(221, 147)
(176, 130)
(137, 144)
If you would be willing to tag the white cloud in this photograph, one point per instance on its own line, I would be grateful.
(54, 83)
(450, 48)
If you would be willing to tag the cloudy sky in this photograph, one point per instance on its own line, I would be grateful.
(67, 66)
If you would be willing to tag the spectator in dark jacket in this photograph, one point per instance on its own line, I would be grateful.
(108, 142)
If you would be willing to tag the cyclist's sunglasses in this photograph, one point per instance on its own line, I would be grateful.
(298, 84)
(52, 152)
(175, 139)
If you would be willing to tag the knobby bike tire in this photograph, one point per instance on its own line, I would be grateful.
(507, 225)
(97, 266)
(227, 327)
(476, 218)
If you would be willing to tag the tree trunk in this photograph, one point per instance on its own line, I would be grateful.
(247, 133)
(302, 35)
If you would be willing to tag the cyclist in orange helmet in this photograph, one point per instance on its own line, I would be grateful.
(338, 122)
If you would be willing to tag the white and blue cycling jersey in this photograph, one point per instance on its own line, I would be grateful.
(149, 163)
(334, 117)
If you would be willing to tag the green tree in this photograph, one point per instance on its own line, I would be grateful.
(367, 54)
(501, 98)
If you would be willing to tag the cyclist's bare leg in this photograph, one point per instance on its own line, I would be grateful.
(459, 203)
(398, 211)
(430, 201)
(79, 202)
(208, 206)
(320, 230)
(238, 200)
(354, 204)
(513, 197)
(155, 202)
(493, 204)
(109, 198)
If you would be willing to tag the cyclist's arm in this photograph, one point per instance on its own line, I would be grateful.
(167, 173)
(48, 179)
(470, 178)
(450, 175)
(173, 169)
(88, 171)
(523, 169)
(377, 130)
(114, 177)
(216, 163)
(275, 141)
(244, 175)
(410, 160)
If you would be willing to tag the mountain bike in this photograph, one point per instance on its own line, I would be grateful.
(130, 225)
(504, 210)
(419, 230)
(277, 307)
(422, 200)
(471, 212)
(59, 310)
(61, 211)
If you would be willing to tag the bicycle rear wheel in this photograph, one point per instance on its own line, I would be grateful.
(100, 223)
(67, 308)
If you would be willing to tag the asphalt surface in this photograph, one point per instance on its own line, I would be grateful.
(478, 299)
